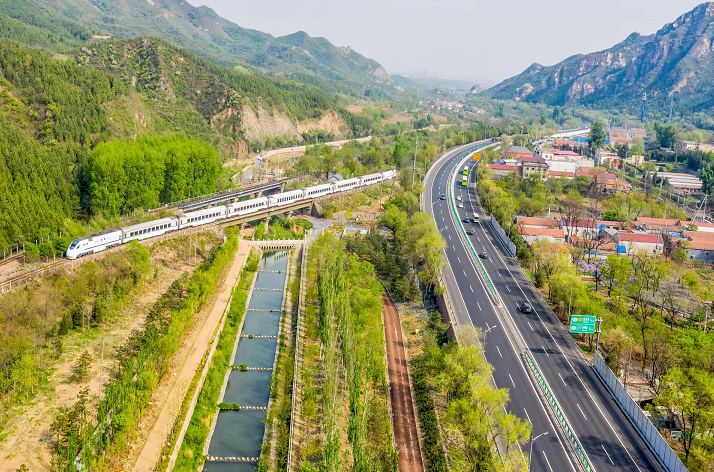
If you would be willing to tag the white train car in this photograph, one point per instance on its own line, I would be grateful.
(247, 206)
(318, 190)
(202, 217)
(389, 174)
(149, 229)
(285, 198)
(344, 185)
(371, 179)
(94, 243)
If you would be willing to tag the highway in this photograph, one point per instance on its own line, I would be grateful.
(610, 441)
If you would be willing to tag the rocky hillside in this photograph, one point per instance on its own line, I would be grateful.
(677, 61)
(202, 31)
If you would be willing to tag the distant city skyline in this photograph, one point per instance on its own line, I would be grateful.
(482, 42)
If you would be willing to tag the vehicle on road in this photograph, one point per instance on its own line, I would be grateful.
(526, 308)
(466, 220)
(464, 181)
(460, 205)
(442, 197)
(470, 231)
(458, 198)
(483, 255)
(466, 170)
(476, 217)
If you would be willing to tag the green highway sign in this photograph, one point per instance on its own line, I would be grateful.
(582, 324)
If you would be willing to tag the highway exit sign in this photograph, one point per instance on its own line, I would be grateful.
(477, 156)
(582, 324)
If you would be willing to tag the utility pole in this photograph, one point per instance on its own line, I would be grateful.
(627, 373)
(598, 331)
(530, 454)
(416, 143)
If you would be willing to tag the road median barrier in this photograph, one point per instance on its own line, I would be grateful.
(574, 446)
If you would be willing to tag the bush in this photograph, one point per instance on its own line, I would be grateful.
(229, 406)
(243, 367)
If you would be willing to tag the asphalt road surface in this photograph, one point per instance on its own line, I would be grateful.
(611, 442)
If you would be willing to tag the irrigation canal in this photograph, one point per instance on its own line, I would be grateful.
(235, 442)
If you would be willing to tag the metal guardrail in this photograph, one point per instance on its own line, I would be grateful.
(553, 404)
(492, 288)
(664, 453)
(573, 442)
(502, 235)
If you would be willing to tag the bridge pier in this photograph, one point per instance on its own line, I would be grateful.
(266, 222)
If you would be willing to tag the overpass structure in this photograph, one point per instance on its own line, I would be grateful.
(551, 384)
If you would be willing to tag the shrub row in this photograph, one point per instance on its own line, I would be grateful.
(191, 452)
(433, 450)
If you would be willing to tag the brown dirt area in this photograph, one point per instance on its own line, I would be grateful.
(26, 433)
(406, 432)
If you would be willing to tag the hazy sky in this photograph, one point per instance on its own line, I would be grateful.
(479, 40)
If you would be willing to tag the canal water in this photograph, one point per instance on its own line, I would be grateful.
(239, 434)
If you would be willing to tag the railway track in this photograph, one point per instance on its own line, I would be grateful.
(10, 259)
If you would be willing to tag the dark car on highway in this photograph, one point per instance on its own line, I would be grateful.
(466, 220)
(470, 232)
(442, 197)
(525, 308)
(483, 255)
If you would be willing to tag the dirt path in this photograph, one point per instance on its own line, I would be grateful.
(406, 434)
(151, 451)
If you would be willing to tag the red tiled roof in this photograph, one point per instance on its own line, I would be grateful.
(619, 139)
(640, 238)
(552, 232)
(503, 167)
(585, 223)
(558, 152)
(529, 159)
(702, 245)
(699, 235)
(561, 173)
(535, 221)
(606, 176)
(657, 221)
(699, 224)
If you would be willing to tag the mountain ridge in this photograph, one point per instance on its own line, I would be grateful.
(676, 61)
(202, 31)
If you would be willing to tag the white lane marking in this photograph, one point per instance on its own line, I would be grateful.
(464, 273)
(479, 239)
(509, 290)
(581, 412)
(527, 415)
(529, 324)
(547, 461)
(561, 378)
(449, 237)
(569, 363)
(545, 350)
(457, 257)
(512, 382)
(510, 341)
(472, 289)
(608, 455)
(499, 351)
(454, 248)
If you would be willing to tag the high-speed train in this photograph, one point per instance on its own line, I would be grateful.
(111, 238)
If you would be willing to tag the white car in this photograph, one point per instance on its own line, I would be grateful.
(458, 199)
(460, 205)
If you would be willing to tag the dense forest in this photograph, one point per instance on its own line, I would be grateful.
(124, 175)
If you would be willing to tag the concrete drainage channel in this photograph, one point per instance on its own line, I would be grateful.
(236, 436)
